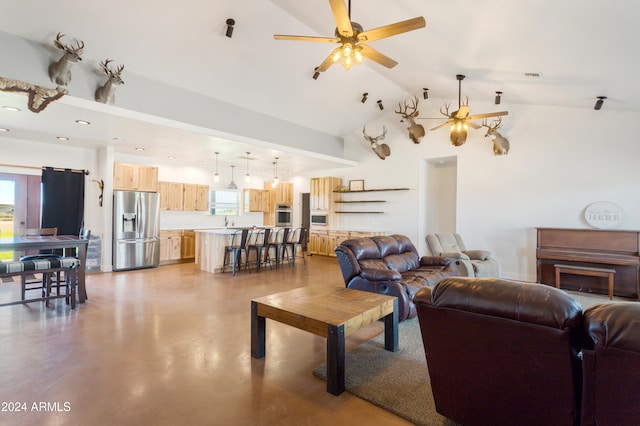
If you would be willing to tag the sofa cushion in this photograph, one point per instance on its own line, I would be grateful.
(363, 248)
(387, 245)
(402, 262)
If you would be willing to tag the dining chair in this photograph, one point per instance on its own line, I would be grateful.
(296, 239)
(31, 282)
(236, 248)
(277, 242)
(258, 241)
(59, 280)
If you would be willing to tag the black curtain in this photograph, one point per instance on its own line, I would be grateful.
(63, 200)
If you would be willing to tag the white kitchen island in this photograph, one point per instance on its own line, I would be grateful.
(210, 246)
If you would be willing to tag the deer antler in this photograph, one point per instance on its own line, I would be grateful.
(490, 128)
(446, 110)
(67, 47)
(413, 108)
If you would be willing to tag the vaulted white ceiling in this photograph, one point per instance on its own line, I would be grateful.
(582, 49)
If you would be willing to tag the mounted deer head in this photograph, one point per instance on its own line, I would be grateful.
(500, 143)
(416, 131)
(60, 71)
(107, 92)
(382, 150)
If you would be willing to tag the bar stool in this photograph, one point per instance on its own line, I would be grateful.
(277, 242)
(258, 241)
(237, 246)
(296, 239)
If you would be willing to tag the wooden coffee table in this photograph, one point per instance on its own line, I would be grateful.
(333, 313)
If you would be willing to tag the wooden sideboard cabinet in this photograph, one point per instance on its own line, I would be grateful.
(133, 177)
(590, 248)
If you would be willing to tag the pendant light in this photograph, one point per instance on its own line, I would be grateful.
(247, 177)
(232, 184)
(216, 177)
(275, 180)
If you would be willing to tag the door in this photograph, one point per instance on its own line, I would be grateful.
(20, 205)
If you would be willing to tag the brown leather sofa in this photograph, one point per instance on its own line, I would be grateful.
(390, 265)
(502, 352)
(611, 365)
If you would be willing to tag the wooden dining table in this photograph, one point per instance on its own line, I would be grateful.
(30, 243)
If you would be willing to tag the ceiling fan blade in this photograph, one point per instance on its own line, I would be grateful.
(487, 115)
(327, 62)
(392, 29)
(440, 125)
(374, 55)
(341, 15)
(472, 124)
(463, 111)
(305, 38)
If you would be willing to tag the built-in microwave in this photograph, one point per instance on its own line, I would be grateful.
(319, 219)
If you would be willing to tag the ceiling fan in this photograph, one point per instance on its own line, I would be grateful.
(352, 38)
(460, 119)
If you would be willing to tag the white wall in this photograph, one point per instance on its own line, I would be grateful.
(561, 160)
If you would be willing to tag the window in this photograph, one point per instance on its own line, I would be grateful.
(224, 202)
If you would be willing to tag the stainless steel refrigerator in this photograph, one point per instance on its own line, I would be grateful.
(136, 219)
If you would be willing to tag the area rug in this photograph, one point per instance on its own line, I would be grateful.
(399, 381)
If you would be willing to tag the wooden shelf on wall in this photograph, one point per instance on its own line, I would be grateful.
(360, 201)
(372, 190)
(359, 212)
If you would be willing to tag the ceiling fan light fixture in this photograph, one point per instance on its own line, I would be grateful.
(599, 103)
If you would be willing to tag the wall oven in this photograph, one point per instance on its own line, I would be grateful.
(319, 219)
(283, 216)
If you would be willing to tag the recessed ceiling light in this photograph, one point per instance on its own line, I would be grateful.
(139, 149)
(533, 74)
(62, 138)
(2, 129)
(171, 157)
(83, 122)
(200, 162)
(11, 108)
(118, 138)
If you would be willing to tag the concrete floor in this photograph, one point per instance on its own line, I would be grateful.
(171, 346)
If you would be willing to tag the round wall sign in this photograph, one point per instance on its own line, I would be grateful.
(603, 215)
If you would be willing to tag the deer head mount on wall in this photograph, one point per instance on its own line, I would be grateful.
(382, 150)
(500, 143)
(107, 92)
(409, 113)
(60, 71)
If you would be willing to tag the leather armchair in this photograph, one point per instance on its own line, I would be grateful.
(473, 263)
(611, 365)
(502, 352)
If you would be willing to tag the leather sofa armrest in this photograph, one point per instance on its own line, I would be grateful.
(455, 255)
(434, 261)
(372, 274)
(478, 254)
(423, 296)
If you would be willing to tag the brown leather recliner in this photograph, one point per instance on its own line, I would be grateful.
(611, 366)
(390, 265)
(502, 352)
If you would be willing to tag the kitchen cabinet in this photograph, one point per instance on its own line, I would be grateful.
(171, 194)
(170, 245)
(133, 177)
(283, 193)
(322, 241)
(321, 195)
(188, 244)
(254, 200)
(195, 198)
